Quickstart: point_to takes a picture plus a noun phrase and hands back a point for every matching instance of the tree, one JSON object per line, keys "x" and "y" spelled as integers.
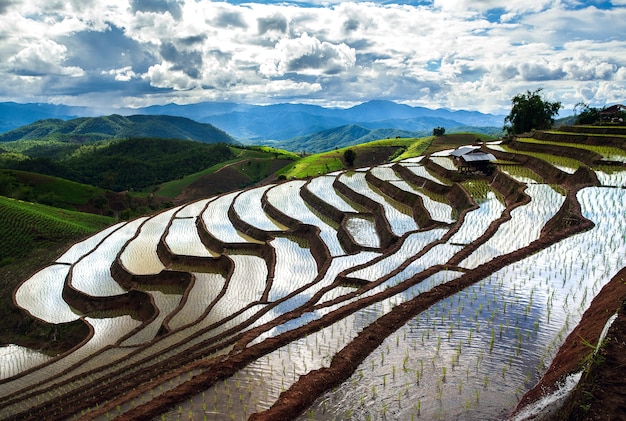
{"x": 349, "y": 156}
{"x": 530, "y": 112}
{"x": 439, "y": 131}
{"x": 588, "y": 115}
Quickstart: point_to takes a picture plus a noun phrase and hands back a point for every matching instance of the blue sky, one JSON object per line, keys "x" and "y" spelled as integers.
{"x": 458, "y": 54}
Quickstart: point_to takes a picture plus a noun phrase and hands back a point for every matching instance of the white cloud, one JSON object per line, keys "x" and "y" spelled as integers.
{"x": 454, "y": 53}
{"x": 122, "y": 75}
{"x": 308, "y": 55}
{"x": 41, "y": 59}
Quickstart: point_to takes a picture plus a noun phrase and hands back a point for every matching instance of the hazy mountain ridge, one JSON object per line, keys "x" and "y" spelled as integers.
{"x": 253, "y": 123}
{"x": 340, "y": 137}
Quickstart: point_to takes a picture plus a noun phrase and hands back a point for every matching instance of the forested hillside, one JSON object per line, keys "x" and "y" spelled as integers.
{"x": 128, "y": 164}
{"x": 90, "y": 129}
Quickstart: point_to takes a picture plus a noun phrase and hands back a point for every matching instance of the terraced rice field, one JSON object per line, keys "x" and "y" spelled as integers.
{"x": 355, "y": 295}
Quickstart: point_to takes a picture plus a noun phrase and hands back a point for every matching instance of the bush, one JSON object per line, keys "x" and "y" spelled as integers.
{"x": 349, "y": 156}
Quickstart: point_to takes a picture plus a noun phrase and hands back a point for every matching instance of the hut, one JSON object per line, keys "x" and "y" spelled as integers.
{"x": 473, "y": 159}
{"x": 613, "y": 113}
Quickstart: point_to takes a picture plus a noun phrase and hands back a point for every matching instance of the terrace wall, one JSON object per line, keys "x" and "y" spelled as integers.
{"x": 545, "y": 170}
{"x": 321, "y": 206}
{"x": 134, "y": 302}
{"x": 420, "y": 213}
{"x": 583, "y": 155}
{"x": 383, "y": 229}
{"x": 319, "y": 250}
{"x": 442, "y": 172}
{"x": 582, "y": 138}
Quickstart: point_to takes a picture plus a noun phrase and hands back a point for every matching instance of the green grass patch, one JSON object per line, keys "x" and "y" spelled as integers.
{"x": 480, "y": 189}
{"x": 587, "y": 134}
{"x": 607, "y": 152}
{"x": 556, "y": 160}
{"x": 175, "y": 187}
{"x": 521, "y": 171}
{"x": 26, "y": 227}
{"x": 454, "y": 140}
{"x": 325, "y": 162}
{"x": 53, "y": 191}
{"x": 254, "y": 162}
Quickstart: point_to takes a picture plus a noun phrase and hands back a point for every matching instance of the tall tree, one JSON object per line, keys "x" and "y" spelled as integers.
{"x": 530, "y": 111}
{"x": 349, "y": 156}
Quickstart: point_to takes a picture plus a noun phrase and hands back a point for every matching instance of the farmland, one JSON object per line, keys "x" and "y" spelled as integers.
{"x": 400, "y": 291}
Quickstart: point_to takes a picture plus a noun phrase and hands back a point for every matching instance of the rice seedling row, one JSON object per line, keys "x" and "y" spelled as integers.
{"x": 467, "y": 356}
{"x": 400, "y": 220}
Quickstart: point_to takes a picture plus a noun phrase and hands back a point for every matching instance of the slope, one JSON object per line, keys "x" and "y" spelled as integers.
{"x": 89, "y": 129}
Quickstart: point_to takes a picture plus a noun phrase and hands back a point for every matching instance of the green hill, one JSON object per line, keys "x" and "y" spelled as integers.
{"x": 367, "y": 154}
{"x": 128, "y": 164}
{"x": 27, "y": 227}
{"x": 48, "y": 190}
{"x": 91, "y": 129}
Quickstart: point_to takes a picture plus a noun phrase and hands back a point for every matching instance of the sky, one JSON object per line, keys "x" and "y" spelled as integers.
{"x": 456, "y": 54}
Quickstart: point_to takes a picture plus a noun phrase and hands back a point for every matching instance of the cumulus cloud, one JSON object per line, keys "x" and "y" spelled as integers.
{"x": 534, "y": 72}
{"x": 308, "y": 55}
{"x": 230, "y": 18}
{"x": 173, "y": 7}
{"x": 42, "y": 58}
{"x": 189, "y": 63}
{"x": 454, "y": 53}
{"x": 4, "y": 6}
{"x": 277, "y": 23}
{"x": 121, "y": 75}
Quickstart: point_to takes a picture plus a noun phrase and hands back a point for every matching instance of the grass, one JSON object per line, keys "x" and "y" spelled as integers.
{"x": 556, "y": 160}
{"x": 521, "y": 171}
{"x": 260, "y": 159}
{"x": 593, "y": 134}
{"x": 26, "y": 227}
{"x": 63, "y": 193}
{"x": 454, "y": 140}
{"x": 326, "y": 162}
{"x": 605, "y": 151}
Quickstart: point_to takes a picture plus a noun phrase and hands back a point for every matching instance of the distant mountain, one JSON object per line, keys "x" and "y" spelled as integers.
{"x": 340, "y": 137}
{"x": 254, "y": 124}
{"x": 87, "y": 129}
{"x": 285, "y": 121}
{"x": 13, "y": 115}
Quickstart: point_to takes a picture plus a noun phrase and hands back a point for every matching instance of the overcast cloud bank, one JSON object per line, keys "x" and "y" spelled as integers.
{"x": 458, "y": 54}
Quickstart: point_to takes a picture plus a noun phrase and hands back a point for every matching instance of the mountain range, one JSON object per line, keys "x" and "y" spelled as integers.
{"x": 254, "y": 124}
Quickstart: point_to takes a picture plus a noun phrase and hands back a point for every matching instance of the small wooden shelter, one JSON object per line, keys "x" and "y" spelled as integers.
{"x": 470, "y": 159}
{"x": 612, "y": 113}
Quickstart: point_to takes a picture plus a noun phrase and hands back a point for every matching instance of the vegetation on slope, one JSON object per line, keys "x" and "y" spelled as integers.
{"x": 247, "y": 166}
{"x": 92, "y": 129}
{"x": 47, "y": 190}
{"x": 371, "y": 153}
{"x": 32, "y": 236}
{"x": 26, "y": 227}
{"x": 129, "y": 164}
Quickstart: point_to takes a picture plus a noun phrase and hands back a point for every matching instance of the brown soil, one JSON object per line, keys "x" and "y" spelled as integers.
{"x": 309, "y": 387}
{"x": 225, "y": 180}
{"x": 575, "y": 350}
{"x": 601, "y": 395}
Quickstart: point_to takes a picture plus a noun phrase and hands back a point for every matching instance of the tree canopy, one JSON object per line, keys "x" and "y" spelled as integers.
{"x": 349, "y": 156}
{"x": 530, "y": 111}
